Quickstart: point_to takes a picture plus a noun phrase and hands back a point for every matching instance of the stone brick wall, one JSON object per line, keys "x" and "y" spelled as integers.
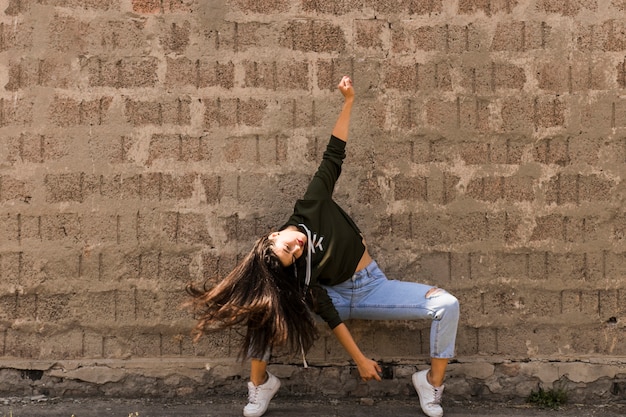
{"x": 147, "y": 143}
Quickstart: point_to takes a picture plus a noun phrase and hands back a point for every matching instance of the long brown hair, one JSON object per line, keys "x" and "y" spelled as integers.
{"x": 265, "y": 297}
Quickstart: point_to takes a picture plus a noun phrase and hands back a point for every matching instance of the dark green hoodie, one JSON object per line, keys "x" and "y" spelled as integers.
{"x": 335, "y": 245}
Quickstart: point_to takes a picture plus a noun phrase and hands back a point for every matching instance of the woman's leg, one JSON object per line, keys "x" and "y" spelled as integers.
{"x": 258, "y": 371}
{"x": 437, "y": 365}
{"x": 261, "y": 389}
{"x": 258, "y": 367}
{"x": 437, "y": 371}
{"x": 371, "y": 296}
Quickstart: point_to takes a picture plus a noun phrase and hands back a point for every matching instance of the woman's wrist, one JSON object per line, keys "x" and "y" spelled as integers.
{"x": 359, "y": 358}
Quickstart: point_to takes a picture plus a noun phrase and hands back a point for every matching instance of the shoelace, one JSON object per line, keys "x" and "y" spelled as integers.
{"x": 253, "y": 393}
{"x": 438, "y": 394}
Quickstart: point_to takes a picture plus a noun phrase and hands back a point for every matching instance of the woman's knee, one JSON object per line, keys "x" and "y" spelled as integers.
{"x": 447, "y": 304}
{"x": 454, "y": 304}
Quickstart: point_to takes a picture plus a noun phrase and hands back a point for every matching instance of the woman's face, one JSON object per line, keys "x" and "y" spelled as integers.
{"x": 288, "y": 245}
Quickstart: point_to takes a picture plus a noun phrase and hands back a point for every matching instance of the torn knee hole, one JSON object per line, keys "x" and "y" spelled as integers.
{"x": 433, "y": 292}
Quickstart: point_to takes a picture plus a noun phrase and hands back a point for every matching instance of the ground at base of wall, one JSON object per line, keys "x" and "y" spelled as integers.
{"x": 550, "y": 383}
{"x": 282, "y": 406}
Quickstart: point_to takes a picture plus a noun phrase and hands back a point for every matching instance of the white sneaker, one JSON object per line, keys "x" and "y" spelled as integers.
{"x": 430, "y": 397}
{"x": 259, "y": 396}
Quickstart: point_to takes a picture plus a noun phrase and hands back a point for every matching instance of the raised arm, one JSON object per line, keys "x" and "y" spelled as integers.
{"x": 323, "y": 182}
{"x": 342, "y": 125}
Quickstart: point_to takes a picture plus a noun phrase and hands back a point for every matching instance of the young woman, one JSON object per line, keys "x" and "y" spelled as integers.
{"x": 319, "y": 258}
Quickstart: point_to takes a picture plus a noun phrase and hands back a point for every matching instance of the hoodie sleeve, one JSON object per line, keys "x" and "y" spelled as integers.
{"x": 323, "y": 306}
{"x": 323, "y": 182}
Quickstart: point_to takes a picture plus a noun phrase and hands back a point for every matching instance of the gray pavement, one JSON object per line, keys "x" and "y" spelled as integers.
{"x": 281, "y": 407}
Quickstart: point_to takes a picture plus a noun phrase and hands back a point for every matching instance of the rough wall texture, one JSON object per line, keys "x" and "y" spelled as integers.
{"x": 147, "y": 143}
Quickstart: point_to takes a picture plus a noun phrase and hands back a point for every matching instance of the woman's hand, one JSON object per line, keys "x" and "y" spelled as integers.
{"x": 345, "y": 86}
{"x": 369, "y": 369}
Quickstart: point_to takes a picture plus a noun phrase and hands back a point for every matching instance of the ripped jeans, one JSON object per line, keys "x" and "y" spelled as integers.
{"x": 369, "y": 295}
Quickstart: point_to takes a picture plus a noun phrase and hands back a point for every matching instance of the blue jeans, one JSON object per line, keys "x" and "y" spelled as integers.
{"x": 369, "y": 295}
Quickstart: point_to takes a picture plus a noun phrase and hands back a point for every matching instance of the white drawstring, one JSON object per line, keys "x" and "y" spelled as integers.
{"x": 307, "y": 280}
{"x": 309, "y": 248}
{"x": 304, "y": 362}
